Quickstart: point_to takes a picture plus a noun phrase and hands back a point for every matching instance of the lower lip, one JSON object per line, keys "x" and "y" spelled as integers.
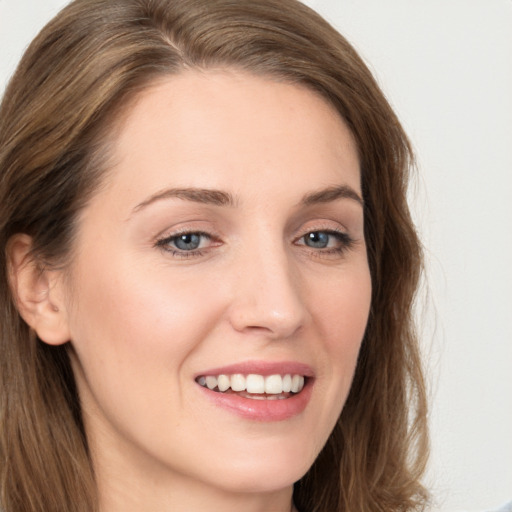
{"x": 262, "y": 410}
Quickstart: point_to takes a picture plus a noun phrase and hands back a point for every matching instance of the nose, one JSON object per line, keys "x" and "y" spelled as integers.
{"x": 267, "y": 294}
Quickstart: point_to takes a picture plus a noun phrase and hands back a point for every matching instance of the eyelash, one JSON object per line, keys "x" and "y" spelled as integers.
{"x": 345, "y": 243}
{"x": 344, "y": 240}
{"x": 164, "y": 244}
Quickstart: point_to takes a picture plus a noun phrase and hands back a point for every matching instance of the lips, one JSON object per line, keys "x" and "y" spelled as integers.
{"x": 259, "y": 391}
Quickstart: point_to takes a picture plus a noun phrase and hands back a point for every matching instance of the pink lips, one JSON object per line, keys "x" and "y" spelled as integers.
{"x": 262, "y": 410}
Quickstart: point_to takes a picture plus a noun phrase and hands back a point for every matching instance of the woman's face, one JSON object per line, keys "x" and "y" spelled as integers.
{"x": 224, "y": 250}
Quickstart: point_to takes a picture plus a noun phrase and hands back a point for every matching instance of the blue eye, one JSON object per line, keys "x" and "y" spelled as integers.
{"x": 317, "y": 239}
{"x": 187, "y": 241}
{"x": 327, "y": 241}
{"x": 185, "y": 244}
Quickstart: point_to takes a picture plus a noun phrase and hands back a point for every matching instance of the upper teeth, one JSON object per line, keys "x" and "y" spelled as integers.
{"x": 253, "y": 383}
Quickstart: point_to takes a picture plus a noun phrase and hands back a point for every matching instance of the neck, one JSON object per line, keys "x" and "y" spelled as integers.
{"x": 122, "y": 495}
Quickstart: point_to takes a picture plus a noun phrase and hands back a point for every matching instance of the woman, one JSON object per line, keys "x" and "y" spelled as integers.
{"x": 209, "y": 267}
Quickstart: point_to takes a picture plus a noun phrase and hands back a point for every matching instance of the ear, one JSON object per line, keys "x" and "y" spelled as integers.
{"x": 38, "y": 292}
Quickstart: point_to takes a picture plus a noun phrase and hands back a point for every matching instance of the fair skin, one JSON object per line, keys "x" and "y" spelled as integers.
{"x": 261, "y": 181}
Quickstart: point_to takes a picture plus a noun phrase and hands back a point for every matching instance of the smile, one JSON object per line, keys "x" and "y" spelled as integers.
{"x": 255, "y": 386}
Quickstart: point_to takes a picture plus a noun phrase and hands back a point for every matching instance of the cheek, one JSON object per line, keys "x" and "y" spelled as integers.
{"x": 340, "y": 311}
{"x": 130, "y": 322}
{"x": 342, "y": 308}
{"x": 139, "y": 307}
{"x": 134, "y": 331}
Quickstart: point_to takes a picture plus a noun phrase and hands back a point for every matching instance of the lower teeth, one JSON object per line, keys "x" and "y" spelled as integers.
{"x": 265, "y": 397}
{"x": 256, "y": 396}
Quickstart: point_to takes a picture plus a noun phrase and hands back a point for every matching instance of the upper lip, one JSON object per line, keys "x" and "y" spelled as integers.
{"x": 261, "y": 368}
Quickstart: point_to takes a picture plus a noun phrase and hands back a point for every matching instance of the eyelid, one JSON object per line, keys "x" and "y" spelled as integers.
{"x": 189, "y": 225}
{"x": 342, "y": 235}
{"x": 325, "y": 224}
{"x": 344, "y": 241}
{"x": 163, "y": 242}
{"x": 331, "y": 227}
{"x": 346, "y": 217}
{"x": 181, "y": 232}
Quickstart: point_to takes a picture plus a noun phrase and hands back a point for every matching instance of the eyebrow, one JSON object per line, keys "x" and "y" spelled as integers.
{"x": 222, "y": 198}
{"x": 329, "y": 194}
{"x": 196, "y": 195}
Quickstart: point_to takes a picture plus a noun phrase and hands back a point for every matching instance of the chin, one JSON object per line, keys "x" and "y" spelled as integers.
{"x": 268, "y": 472}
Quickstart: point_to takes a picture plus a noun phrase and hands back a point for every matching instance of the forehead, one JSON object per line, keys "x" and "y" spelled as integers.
{"x": 210, "y": 128}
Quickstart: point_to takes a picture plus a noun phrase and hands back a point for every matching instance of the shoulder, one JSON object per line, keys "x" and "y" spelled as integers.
{"x": 505, "y": 508}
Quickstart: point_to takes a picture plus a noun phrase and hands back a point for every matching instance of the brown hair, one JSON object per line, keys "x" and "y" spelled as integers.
{"x": 73, "y": 80}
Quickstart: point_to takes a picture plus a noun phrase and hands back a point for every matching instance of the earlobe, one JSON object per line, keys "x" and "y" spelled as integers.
{"x": 38, "y": 292}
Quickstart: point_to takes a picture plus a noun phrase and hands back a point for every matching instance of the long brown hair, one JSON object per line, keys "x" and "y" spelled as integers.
{"x": 55, "y": 120}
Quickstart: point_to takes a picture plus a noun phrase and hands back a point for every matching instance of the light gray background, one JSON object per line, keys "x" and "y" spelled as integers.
{"x": 446, "y": 66}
